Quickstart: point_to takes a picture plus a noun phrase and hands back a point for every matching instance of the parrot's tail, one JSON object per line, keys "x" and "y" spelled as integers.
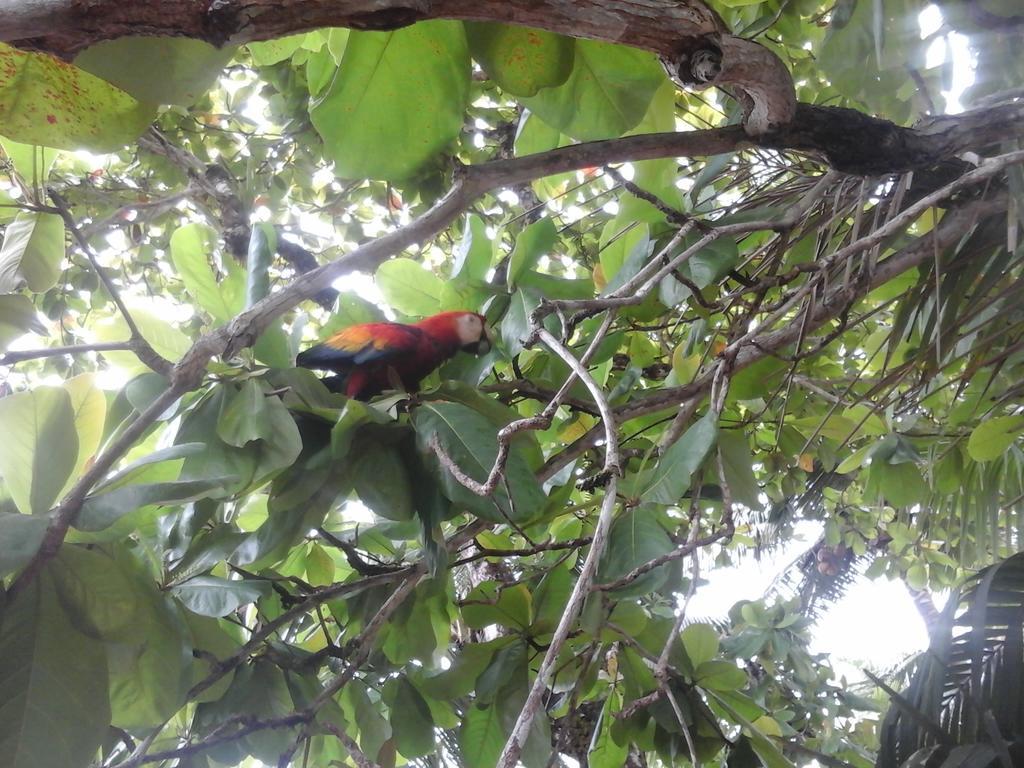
{"x": 321, "y": 357}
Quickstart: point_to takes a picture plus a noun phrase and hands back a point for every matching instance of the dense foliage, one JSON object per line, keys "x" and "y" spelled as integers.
{"x": 219, "y": 562}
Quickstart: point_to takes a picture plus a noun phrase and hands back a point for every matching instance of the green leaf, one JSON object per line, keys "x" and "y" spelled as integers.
{"x": 711, "y": 263}
{"x": 20, "y": 537}
{"x": 262, "y": 246}
{"x": 351, "y": 309}
{"x": 277, "y": 447}
{"x": 167, "y": 340}
{"x": 671, "y": 478}
{"x": 633, "y": 541}
{"x": 319, "y": 566}
{"x": 771, "y": 756}
{"x": 900, "y": 485}
{"x": 411, "y": 723}
{"x": 398, "y": 100}
{"x": 720, "y": 676}
{"x": 738, "y": 465}
{"x": 473, "y": 256}
{"x": 246, "y": 417}
{"x": 39, "y": 448}
{"x": 534, "y": 241}
{"x": 138, "y": 468}
{"x": 605, "y": 751}
{"x": 519, "y": 59}
{"x": 151, "y": 661}
{"x": 32, "y": 252}
{"x": 267, "y": 52}
{"x": 18, "y": 316}
{"x": 515, "y": 326}
{"x": 46, "y": 101}
{"x": 606, "y": 94}
{"x": 158, "y": 70}
{"x": 550, "y": 599}
{"x": 470, "y": 440}
{"x": 102, "y": 510}
{"x": 211, "y": 643}
{"x": 381, "y": 479}
{"x": 491, "y": 603}
{"x": 700, "y": 641}
{"x": 216, "y": 597}
{"x": 409, "y": 287}
{"x": 33, "y": 163}
{"x": 481, "y": 737}
{"x": 102, "y": 598}
{"x": 192, "y": 249}
{"x": 54, "y": 711}
{"x": 992, "y": 437}
{"x": 89, "y": 406}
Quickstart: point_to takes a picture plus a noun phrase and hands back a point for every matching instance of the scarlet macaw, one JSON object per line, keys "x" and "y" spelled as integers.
{"x": 370, "y": 357}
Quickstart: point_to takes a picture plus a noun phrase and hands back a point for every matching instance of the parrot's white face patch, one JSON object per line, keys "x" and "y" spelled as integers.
{"x": 473, "y": 335}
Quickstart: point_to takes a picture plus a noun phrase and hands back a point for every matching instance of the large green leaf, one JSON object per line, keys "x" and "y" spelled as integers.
{"x": 103, "y": 597}
{"x": 267, "y": 52}
{"x": 46, "y": 101}
{"x": 54, "y": 711}
{"x": 157, "y": 70}
{"x": 473, "y": 256}
{"x": 534, "y": 241}
{"x": 470, "y": 440}
{"x": 519, "y": 59}
{"x": 700, "y": 641}
{"x": 89, "y": 406}
{"x": 381, "y": 478}
{"x": 32, "y": 252}
{"x": 167, "y": 340}
{"x": 992, "y": 437}
{"x": 606, "y": 94}
{"x": 605, "y": 751}
{"x": 102, "y": 510}
{"x": 149, "y": 654}
{"x": 737, "y": 464}
{"x": 398, "y": 100}
{"x": 409, "y": 287}
{"x": 40, "y": 446}
{"x": 192, "y": 250}
{"x": 490, "y": 603}
{"x": 213, "y": 596}
{"x": 211, "y": 643}
{"x": 20, "y": 537}
{"x": 17, "y": 317}
{"x": 481, "y": 736}
{"x": 232, "y": 450}
{"x": 411, "y": 722}
{"x": 633, "y": 541}
{"x": 671, "y": 477}
{"x": 33, "y": 163}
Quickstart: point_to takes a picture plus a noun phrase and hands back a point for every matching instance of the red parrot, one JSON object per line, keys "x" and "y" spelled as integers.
{"x": 372, "y": 357}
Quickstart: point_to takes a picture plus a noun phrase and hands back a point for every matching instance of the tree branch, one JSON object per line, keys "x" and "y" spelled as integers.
{"x": 11, "y": 358}
{"x": 142, "y": 348}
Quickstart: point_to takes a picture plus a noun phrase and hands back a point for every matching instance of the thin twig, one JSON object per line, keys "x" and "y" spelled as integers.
{"x": 10, "y": 358}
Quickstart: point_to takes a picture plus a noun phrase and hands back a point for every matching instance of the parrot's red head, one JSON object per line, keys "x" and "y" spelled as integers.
{"x": 467, "y": 331}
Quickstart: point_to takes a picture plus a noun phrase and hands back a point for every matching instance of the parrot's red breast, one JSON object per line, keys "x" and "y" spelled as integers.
{"x": 372, "y": 357}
